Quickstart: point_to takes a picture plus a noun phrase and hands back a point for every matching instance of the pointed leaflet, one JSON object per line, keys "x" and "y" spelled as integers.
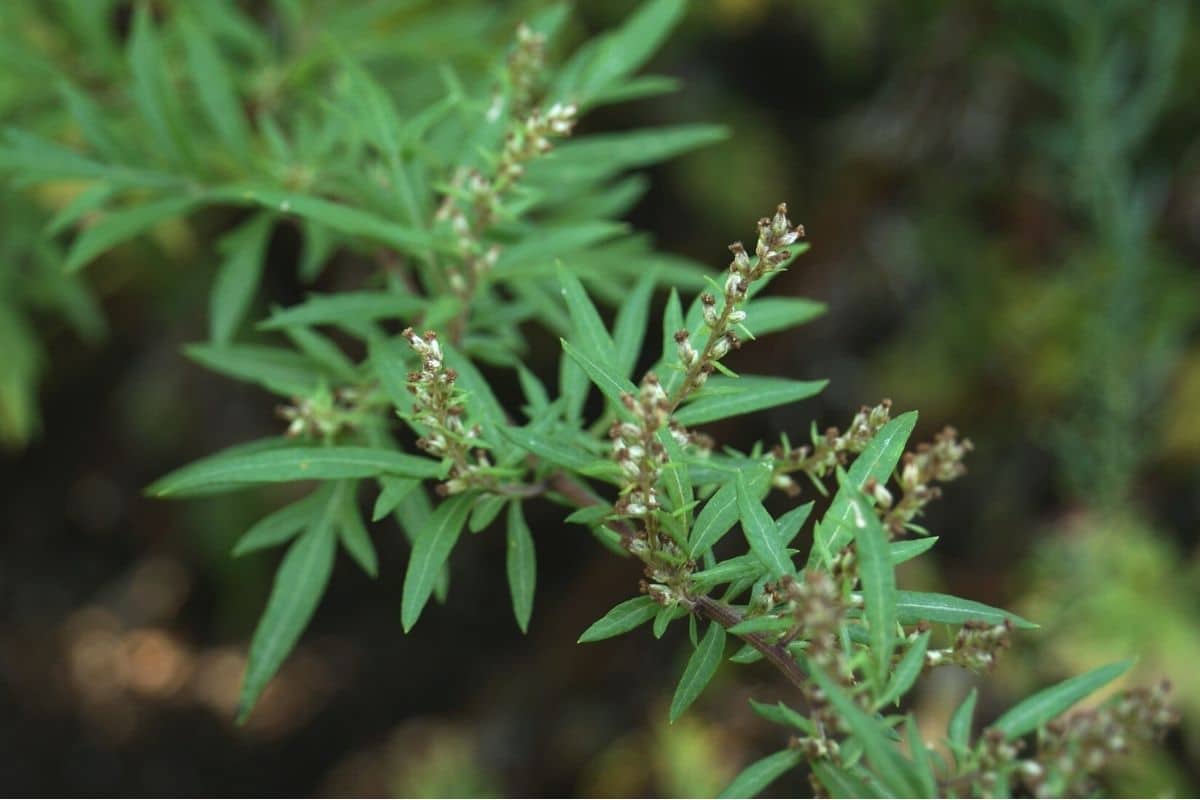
{"x": 959, "y": 729}
{"x": 298, "y": 587}
{"x": 610, "y": 384}
{"x": 629, "y": 330}
{"x": 906, "y": 672}
{"x": 914, "y": 607}
{"x": 724, "y": 397}
{"x": 430, "y": 553}
{"x": 226, "y": 470}
{"x": 908, "y": 549}
{"x": 789, "y": 524}
{"x": 238, "y": 277}
{"x": 391, "y": 492}
{"x": 893, "y": 770}
{"x": 331, "y": 309}
{"x": 551, "y": 448}
{"x": 115, "y": 227}
{"x": 280, "y": 526}
{"x": 340, "y": 217}
{"x": 761, "y": 774}
{"x": 353, "y": 532}
{"x": 278, "y": 370}
{"x": 1034, "y": 712}
{"x": 699, "y": 670}
{"x": 155, "y": 100}
{"x": 616, "y": 55}
{"x": 876, "y": 461}
{"x": 521, "y": 565}
{"x": 214, "y": 85}
{"x": 621, "y": 618}
{"x": 878, "y": 579}
{"x": 721, "y": 511}
{"x": 780, "y": 313}
{"x": 841, "y": 782}
{"x": 760, "y": 530}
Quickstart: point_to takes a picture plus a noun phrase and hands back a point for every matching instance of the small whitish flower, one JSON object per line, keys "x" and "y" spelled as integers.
{"x": 687, "y": 353}
{"x": 736, "y": 317}
{"x": 708, "y": 305}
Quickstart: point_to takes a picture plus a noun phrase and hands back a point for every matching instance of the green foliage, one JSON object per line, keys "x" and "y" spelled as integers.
{"x": 453, "y": 180}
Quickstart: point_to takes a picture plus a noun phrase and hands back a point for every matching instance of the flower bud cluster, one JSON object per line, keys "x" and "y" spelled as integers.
{"x": 438, "y": 408}
{"x": 325, "y": 414}
{"x": 775, "y": 234}
{"x": 829, "y": 450}
{"x": 637, "y": 449}
{"x": 525, "y": 64}
{"x": 938, "y": 462}
{"x": 976, "y": 647}
{"x": 474, "y": 201}
{"x": 1076, "y": 746}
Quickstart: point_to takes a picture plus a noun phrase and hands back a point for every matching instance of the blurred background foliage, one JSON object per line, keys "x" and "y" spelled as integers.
{"x": 1003, "y": 199}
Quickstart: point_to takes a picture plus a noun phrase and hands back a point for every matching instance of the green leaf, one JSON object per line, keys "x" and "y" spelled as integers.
{"x": 521, "y": 565}
{"x": 908, "y": 549}
{"x": 280, "y": 526}
{"x": 154, "y": 97}
{"x": 675, "y": 477}
{"x": 297, "y": 590}
{"x": 485, "y": 511}
{"x": 789, "y": 524}
{"x": 354, "y": 535}
{"x": 283, "y": 372}
{"x": 761, "y": 774}
{"x": 893, "y": 770}
{"x": 781, "y": 714}
{"x": 116, "y": 227}
{"x": 595, "y": 158}
{"x": 700, "y": 669}
{"x": 590, "y": 335}
{"x": 338, "y": 216}
{"x": 764, "y": 624}
{"x": 323, "y": 352}
{"x": 724, "y": 397}
{"x": 760, "y": 530}
{"x": 774, "y": 314}
{"x": 238, "y": 277}
{"x": 906, "y": 672}
{"x": 333, "y": 309}
{"x": 878, "y": 578}
{"x": 737, "y": 568}
{"x": 291, "y": 464}
{"x": 214, "y": 86}
{"x": 621, "y": 618}
{"x": 920, "y": 758}
{"x": 549, "y": 448}
{"x": 841, "y": 782}
{"x": 430, "y": 553}
{"x": 876, "y": 461}
{"x": 914, "y": 607}
{"x": 1035, "y": 711}
{"x": 610, "y": 384}
{"x": 720, "y": 513}
{"x": 618, "y": 54}
{"x": 959, "y": 730}
{"x": 629, "y": 330}
{"x": 672, "y": 324}
{"x": 392, "y": 491}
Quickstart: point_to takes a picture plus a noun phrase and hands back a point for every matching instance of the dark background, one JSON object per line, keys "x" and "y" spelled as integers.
{"x": 944, "y": 160}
